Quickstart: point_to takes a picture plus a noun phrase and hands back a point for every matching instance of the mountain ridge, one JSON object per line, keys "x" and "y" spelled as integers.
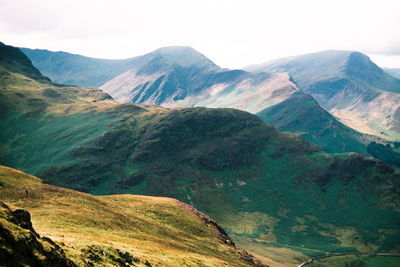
{"x": 349, "y": 85}
{"x": 154, "y": 80}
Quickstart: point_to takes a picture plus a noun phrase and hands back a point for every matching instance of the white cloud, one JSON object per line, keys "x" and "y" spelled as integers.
{"x": 233, "y": 33}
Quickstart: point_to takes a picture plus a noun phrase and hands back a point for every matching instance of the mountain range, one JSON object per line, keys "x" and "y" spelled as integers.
{"x": 183, "y": 77}
{"x": 350, "y": 86}
{"x": 265, "y": 187}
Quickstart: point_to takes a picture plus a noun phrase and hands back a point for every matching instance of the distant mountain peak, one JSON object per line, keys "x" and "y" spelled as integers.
{"x": 349, "y": 84}
{"x": 176, "y": 49}
{"x": 184, "y": 56}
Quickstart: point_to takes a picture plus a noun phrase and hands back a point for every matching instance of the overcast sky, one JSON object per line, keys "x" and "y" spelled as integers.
{"x": 231, "y": 33}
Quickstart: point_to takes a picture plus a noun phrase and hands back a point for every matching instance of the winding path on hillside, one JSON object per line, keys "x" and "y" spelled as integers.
{"x": 345, "y": 254}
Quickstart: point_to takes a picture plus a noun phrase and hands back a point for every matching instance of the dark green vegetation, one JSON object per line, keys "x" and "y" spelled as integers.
{"x": 117, "y": 230}
{"x": 389, "y": 153}
{"x": 12, "y": 61}
{"x": 20, "y": 245}
{"x": 356, "y": 260}
{"x": 259, "y": 183}
{"x": 349, "y": 85}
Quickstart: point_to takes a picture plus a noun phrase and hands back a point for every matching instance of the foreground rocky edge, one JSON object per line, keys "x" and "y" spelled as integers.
{"x": 20, "y": 245}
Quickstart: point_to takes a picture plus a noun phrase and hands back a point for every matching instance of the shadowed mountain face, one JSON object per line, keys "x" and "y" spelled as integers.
{"x": 302, "y": 115}
{"x": 12, "y": 60}
{"x": 349, "y": 85}
{"x": 259, "y": 183}
{"x": 182, "y": 77}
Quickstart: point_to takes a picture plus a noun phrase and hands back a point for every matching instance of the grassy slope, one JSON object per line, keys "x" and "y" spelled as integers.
{"x": 259, "y": 183}
{"x": 161, "y": 231}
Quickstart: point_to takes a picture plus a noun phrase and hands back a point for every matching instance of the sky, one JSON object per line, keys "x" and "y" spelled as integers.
{"x": 232, "y": 33}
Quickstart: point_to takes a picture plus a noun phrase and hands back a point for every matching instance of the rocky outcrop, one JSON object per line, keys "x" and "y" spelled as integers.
{"x": 223, "y": 235}
{"x": 20, "y": 245}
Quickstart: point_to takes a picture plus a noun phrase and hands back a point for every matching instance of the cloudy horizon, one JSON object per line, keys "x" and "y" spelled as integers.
{"x": 231, "y": 33}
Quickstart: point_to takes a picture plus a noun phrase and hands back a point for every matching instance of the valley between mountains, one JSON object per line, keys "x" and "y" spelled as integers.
{"x": 117, "y": 179}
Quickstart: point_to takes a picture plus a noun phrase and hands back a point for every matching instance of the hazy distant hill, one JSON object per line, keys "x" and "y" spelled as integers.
{"x": 73, "y": 69}
{"x": 349, "y": 85}
{"x": 262, "y": 185}
{"x": 393, "y": 72}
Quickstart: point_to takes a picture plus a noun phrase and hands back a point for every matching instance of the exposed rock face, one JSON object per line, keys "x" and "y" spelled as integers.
{"x": 23, "y": 219}
{"x": 20, "y": 245}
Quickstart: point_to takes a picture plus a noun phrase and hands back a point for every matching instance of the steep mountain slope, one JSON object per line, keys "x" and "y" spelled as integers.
{"x": 301, "y": 114}
{"x": 263, "y": 186}
{"x": 350, "y": 86}
{"x": 117, "y": 230}
{"x": 167, "y": 74}
{"x": 12, "y": 61}
{"x": 393, "y": 72}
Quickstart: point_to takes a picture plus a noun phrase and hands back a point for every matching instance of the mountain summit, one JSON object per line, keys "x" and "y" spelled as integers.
{"x": 183, "y": 56}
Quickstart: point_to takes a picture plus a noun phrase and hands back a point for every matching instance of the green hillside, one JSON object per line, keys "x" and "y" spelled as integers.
{"x": 117, "y": 230}
{"x": 265, "y": 187}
